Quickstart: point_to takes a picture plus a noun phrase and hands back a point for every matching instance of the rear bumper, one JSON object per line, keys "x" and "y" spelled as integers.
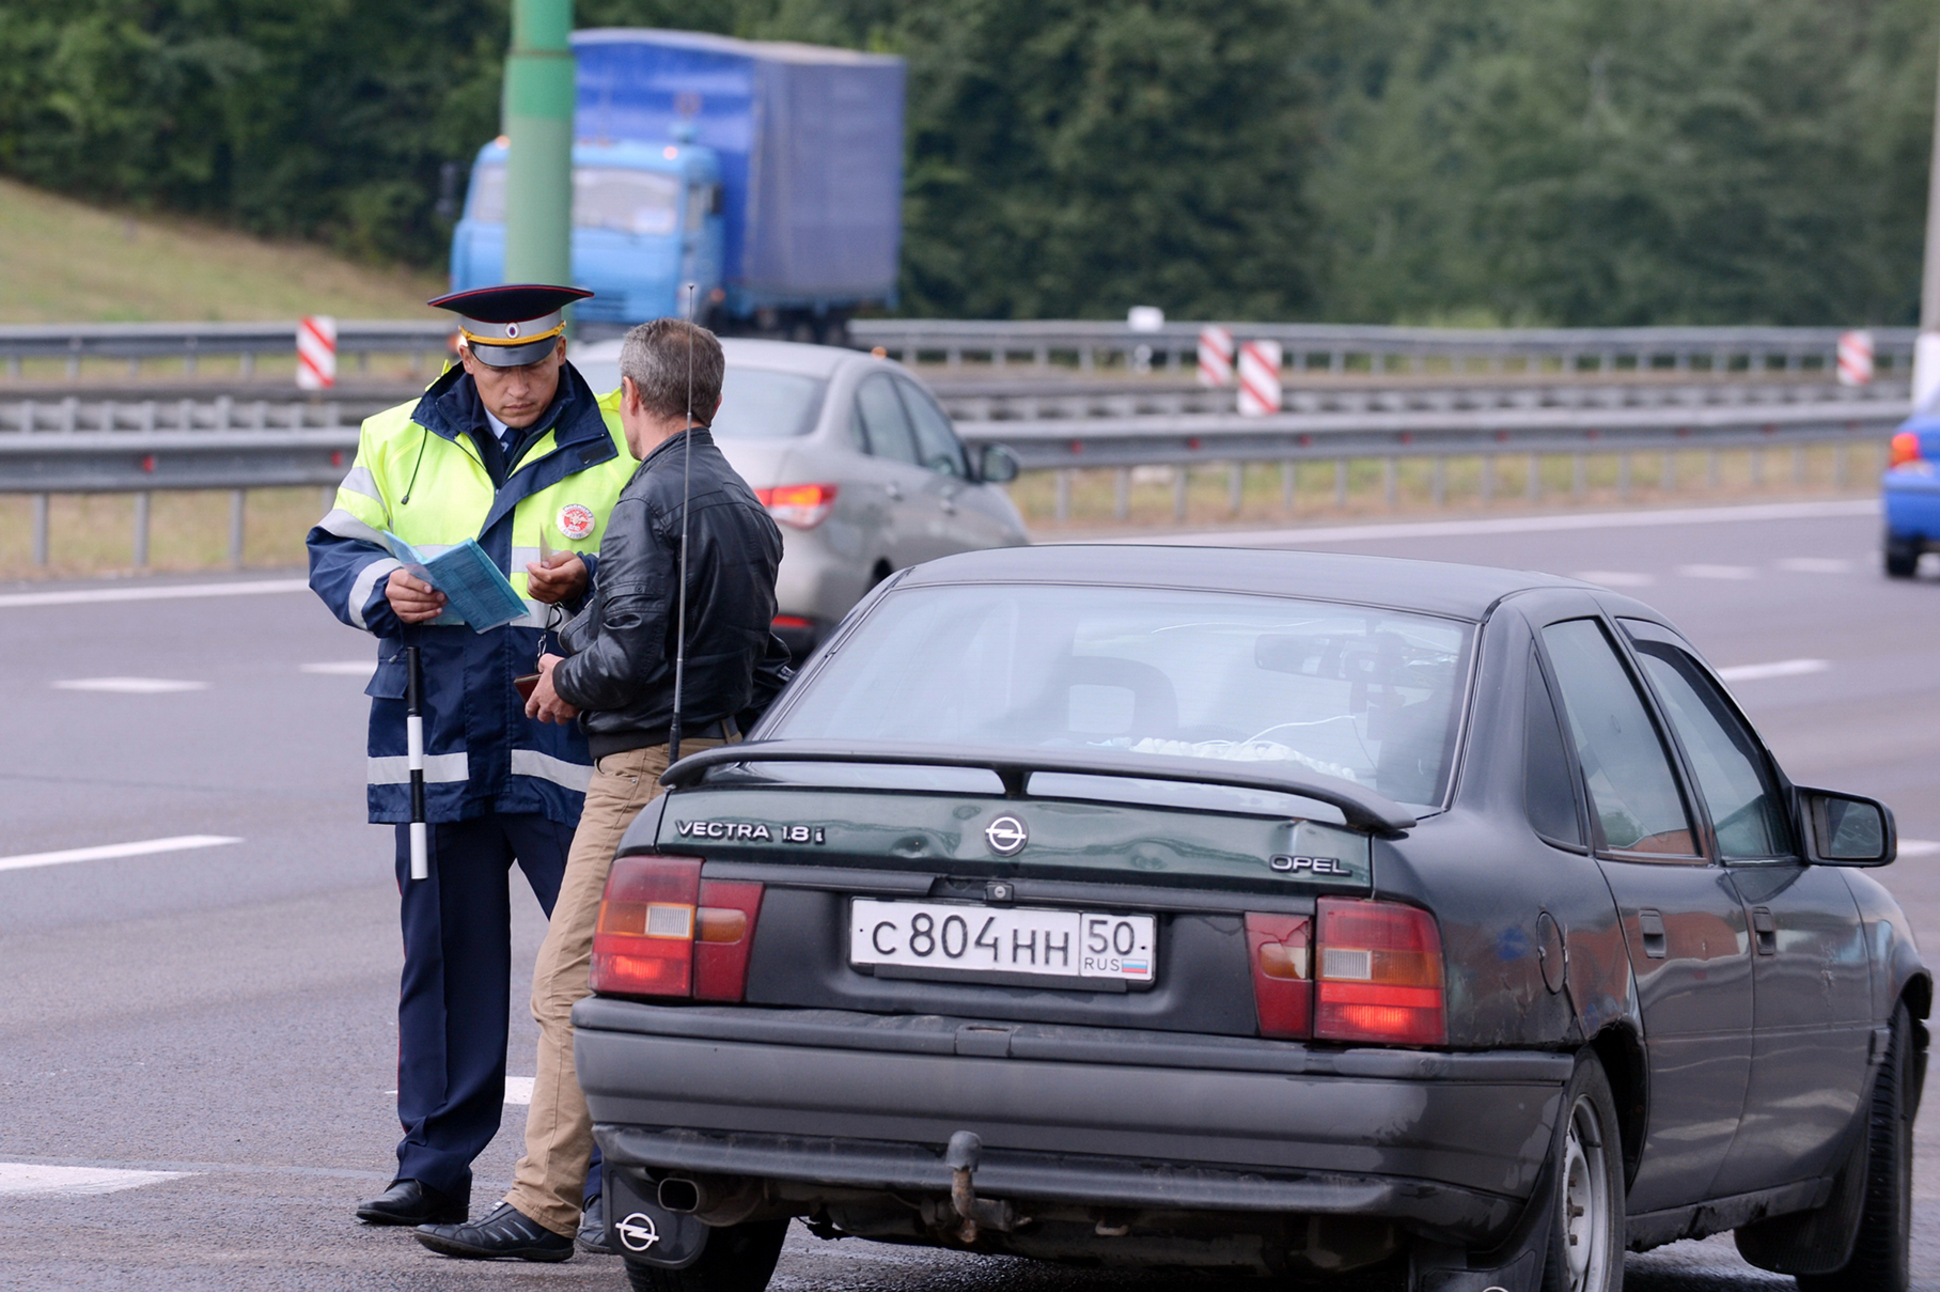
{"x": 1911, "y": 500}
{"x": 1448, "y": 1144}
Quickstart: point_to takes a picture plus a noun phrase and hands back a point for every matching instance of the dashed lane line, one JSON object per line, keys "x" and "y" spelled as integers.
{"x": 342, "y": 667}
{"x": 1918, "y": 847}
{"x": 1717, "y": 571}
{"x": 518, "y": 1090}
{"x": 108, "y": 851}
{"x": 130, "y": 685}
{"x": 1777, "y": 668}
{"x": 164, "y": 592}
{"x": 31, "y": 1179}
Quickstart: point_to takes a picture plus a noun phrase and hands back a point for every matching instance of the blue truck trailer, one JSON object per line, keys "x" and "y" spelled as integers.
{"x": 768, "y": 173}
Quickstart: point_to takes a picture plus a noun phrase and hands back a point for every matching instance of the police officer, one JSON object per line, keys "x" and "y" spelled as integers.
{"x": 513, "y": 449}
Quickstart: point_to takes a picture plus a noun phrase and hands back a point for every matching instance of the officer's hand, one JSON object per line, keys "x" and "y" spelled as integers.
{"x": 545, "y": 704}
{"x": 560, "y": 577}
{"x": 413, "y": 600}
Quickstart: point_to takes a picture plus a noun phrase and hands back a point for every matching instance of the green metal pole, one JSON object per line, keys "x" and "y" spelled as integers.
{"x": 539, "y": 125}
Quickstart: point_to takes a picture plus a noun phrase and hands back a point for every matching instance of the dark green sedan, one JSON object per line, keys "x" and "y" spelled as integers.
{"x": 1282, "y": 913}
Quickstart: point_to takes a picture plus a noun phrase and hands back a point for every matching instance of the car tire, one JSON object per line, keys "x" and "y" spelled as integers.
{"x": 737, "y": 1258}
{"x": 1901, "y": 557}
{"x": 1879, "y": 1260}
{"x": 1586, "y": 1241}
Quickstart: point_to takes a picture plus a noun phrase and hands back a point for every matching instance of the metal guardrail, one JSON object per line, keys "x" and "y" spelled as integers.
{"x": 189, "y": 342}
{"x": 1335, "y": 347}
{"x": 1339, "y": 348}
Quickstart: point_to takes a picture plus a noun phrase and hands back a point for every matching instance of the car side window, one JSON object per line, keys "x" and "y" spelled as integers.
{"x": 936, "y": 440}
{"x": 1724, "y": 756}
{"x": 885, "y": 425}
{"x": 1549, "y": 782}
{"x": 1627, "y": 768}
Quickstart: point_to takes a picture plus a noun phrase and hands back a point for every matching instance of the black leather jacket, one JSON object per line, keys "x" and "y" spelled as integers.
{"x": 619, "y": 668}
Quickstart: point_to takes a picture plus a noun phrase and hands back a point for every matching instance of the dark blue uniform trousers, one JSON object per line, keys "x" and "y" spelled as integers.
{"x": 453, "y": 1004}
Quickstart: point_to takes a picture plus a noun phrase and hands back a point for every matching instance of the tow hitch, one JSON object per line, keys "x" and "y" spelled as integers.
{"x": 965, "y": 1151}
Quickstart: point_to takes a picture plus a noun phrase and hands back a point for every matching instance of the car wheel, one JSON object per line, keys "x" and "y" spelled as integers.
{"x": 1901, "y": 557}
{"x": 1586, "y": 1242}
{"x": 1879, "y": 1261}
{"x": 737, "y": 1258}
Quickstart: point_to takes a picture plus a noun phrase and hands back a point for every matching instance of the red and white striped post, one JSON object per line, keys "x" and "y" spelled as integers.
{"x": 1215, "y": 357}
{"x": 316, "y": 352}
{"x": 1855, "y": 358}
{"x": 1259, "y": 378}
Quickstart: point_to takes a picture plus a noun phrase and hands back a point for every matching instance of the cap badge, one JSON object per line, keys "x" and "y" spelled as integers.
{"x": 575, "y": 520}
{"x": 512, "y": 329}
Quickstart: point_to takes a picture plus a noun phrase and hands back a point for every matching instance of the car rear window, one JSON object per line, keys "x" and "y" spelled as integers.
{"x": 1367, "y": 695}
{"x": 762, "y": 404}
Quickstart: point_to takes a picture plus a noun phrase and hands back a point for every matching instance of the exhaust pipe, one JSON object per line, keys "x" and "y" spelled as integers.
{"x": 681, "y": 1196}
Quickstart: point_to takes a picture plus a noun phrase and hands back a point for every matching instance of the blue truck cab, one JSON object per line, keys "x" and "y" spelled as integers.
{"x": 646, "y": 219}
{"x": 769, "y": 173}
{"x": 1910, "y": 491}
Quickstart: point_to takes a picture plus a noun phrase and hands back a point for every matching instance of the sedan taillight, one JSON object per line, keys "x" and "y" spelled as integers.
{"x": 1283, "y": 989}
{"x": 1358, "y": 971}
{"x": 801, "y": 506}
{"x": 1379, "y": 974}
{"x": 664, "y": 931}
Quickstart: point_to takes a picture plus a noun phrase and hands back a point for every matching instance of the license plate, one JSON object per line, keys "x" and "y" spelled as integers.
{"x": 1002, "y": 944}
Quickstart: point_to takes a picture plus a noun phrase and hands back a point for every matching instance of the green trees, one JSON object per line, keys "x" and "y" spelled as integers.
{"x": 1565, "y": 161}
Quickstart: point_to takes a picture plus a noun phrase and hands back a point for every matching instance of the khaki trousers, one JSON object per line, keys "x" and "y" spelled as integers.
{"x": 558, "y": 1130}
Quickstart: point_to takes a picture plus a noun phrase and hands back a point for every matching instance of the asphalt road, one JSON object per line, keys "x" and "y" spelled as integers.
{"x": 204, "y": 1038}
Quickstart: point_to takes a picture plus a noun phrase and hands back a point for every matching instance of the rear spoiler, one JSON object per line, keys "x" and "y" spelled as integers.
{"x": 1361, "y": 807}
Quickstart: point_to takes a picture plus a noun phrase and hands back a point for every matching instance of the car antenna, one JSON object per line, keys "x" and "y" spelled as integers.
{"x": 680, "y": 613}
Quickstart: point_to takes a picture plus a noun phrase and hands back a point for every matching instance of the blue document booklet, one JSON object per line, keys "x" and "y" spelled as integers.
{"x": 477, "y": 593}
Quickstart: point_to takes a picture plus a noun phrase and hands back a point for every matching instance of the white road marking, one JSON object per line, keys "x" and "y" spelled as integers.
{"x": 107, "y": 851}
{"x": 344, "y": 667}
{"x": 1918, "y": 847}
{"x": 166, "y": 592}
{"x": 1816, "y": 565}
{"x": 1717, "y": 571}
{"x": 518, "y": 1090}
{"x": 130, "y": 685}
{"x": 30, "y": 1179}
{"x": 1777, "y": 668}
{"x": 1616, "y": 578}
{"x": 1641, "y": 519}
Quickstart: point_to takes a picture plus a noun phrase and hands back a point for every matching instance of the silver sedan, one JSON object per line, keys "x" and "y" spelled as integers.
{"x": 856, "y": 460}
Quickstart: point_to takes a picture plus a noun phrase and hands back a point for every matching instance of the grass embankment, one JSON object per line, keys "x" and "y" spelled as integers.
{"x": 63, "y": 261}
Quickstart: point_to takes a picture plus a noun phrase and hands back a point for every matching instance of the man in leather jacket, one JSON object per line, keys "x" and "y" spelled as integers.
{"x": 617, "y": 680}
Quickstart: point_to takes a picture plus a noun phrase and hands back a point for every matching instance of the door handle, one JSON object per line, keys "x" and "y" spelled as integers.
{"x": 1765, "y": 930}
{"x": 1651, "y": 925}
{"x": 948, "y": 505}
{"x": 895, "y": 493}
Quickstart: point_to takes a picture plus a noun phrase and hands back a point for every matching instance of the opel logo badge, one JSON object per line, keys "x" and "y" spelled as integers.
{"x": 637, "y": 1232}
{"x": 1006, "y": 836}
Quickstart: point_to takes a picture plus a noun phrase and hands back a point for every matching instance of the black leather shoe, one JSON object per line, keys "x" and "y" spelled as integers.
{"x": 413, "y": 1202}
{"x": 592, "y": 1230}
{"x": 506, "y": 1232}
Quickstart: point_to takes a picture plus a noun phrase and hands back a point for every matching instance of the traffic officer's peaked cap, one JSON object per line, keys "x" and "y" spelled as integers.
{"x": 513, "y": 324}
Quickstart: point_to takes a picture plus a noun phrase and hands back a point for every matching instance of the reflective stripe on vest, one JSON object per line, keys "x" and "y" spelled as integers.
{"x": 530, "y": 762}
{"x": 395, "y": 769}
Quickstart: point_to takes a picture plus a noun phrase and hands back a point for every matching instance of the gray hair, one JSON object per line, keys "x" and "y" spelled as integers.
{"x": 667, "y": 357}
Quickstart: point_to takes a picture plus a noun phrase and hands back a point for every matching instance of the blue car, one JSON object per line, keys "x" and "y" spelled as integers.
{"x": 1911, "y": 489}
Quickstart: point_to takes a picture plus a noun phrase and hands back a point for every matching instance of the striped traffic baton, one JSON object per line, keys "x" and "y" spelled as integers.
{"x": 414, "y": 744}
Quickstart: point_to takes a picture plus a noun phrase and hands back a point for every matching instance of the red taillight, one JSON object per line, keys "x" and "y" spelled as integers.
{"x": 726, "y": 926}
{"x": 1905, "y": 449}
{"x": 802, "y": 506}
{"x": 663, "y": 931}
{"x": 644, "y": 942}
{"x": 1283, "y": 989}
{"x": 1378, "y": 976}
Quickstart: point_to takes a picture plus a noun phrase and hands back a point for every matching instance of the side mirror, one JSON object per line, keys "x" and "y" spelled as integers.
{"x": 1846, "y": 830}
{"x": 996, "y": 464}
